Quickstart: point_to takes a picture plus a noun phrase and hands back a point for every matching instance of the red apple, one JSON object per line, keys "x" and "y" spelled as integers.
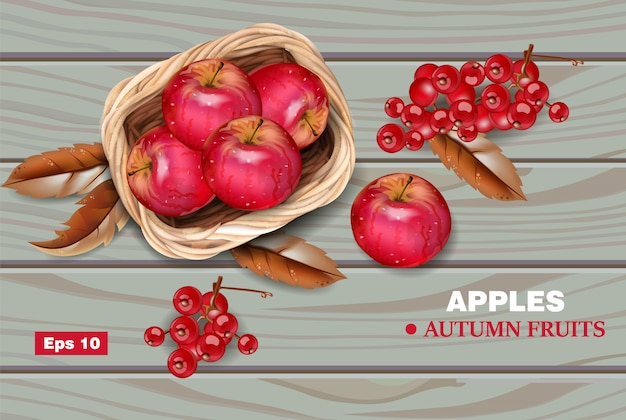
{"x": 204, "y": 95}
{"x": 165, "y": 175}
{"x": 251, "y": 163}
{"x": 294, "y": 97}
{"x": 400, "y": 220}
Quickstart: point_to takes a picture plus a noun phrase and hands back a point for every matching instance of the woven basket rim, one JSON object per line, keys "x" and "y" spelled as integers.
{"x": 325, "y": 185}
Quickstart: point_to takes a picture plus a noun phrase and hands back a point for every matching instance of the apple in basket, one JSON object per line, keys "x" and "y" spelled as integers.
{"x": 204, "y": 95}
{"x": 294, "y": 97}
{"x": 400, "y": 220}
{"x": 165, "y": 175}
{"x": 251, "y": 163}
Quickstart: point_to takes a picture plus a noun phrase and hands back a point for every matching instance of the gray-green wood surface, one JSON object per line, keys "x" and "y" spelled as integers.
{"x": 338, "y": 352}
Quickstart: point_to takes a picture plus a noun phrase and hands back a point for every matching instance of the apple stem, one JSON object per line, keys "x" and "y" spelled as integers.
{"x": 408, "y": 181}
{"x": 220, "y": 66}
{"x": 258, "y": 125}
{"x": 310, "y": 126}
{"x": 133, "y": 172}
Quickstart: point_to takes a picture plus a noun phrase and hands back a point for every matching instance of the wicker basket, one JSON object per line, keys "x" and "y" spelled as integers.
{"x": 134, "y": 106}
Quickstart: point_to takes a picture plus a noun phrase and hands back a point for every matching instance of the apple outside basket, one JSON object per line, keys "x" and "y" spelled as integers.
{"x": 134, "y": 106}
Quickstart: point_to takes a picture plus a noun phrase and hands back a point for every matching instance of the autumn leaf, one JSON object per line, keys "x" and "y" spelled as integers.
{"x": 481, "y": 164}
{"x": 61, "y": 172}
{"x": 288, "y": 259}
{"x": 91, "y": 225}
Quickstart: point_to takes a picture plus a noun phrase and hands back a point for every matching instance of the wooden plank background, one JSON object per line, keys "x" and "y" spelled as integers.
{"x": 338, "y": 352}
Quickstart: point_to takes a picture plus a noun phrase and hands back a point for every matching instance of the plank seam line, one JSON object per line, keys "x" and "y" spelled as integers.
{"x": 328, "y": 56}
{"x": 605, "y": 161}
{"x": 207, "y": 264}
{"x": 583, "y": 370}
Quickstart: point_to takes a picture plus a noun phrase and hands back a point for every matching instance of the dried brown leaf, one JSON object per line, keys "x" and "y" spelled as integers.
{"x": 288, "y": 259}
{"x": 481, "y": 164}
{"x": 61, "y": 172}
{"x": 91, "y": 225}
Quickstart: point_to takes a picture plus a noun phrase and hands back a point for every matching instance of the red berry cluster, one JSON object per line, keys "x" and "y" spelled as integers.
{"x": 511, "y": 97}
{"x": 206, "y": 337}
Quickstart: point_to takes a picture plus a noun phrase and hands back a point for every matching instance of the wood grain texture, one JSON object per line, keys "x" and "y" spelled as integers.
{"x": 574, "y": 215}
{"x": 342, "y": 26}
{"x": 339, "y": 352}
{"x": 357, "y": 323}
{"x": 49, "y": 105}
{"x": 305, "y": 399}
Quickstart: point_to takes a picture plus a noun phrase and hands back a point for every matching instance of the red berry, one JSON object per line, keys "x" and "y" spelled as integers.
{"x": 446, "y": 79}
{"x": 495, "y": 97}
{"x": 394, "y": 107}
{"x": 472, "y": 73}
{"x": 467, "y": 133}
{"x": 413, "y": 115}
{"x": 498, "y": 68}
{"x": 425, "y": 70}
{"x": 208, "y": 327}
{"x": 184, "y": 330}
{"x": 422, "y": 92}
{"x": 425, "y": 129}
{"x": 499, "y": 120}
{"x": 390, "y": 138}
{"x": 532, "y": 71}
{"x": 210, "y": 347}
{"x": 558, "y": 112}
{"x": 440, "y": 121}
{"x": 154, "y": 336}
{"x": 221, "y": 305}
{"x": 248, "y": 344}
{"x": 191, "y": 347}
{"x": 414, "y": 140}
{"x": 187, "y": 300}
{"x": 463, "y": 113}
{"x": 522, "y": 115}
{"x": 182, "y": 363}
{"x": 464, "y": 91}
{"x": 483, "y": 123}
{"x": 225, "y": 325}
{"x": 536, "y": 93}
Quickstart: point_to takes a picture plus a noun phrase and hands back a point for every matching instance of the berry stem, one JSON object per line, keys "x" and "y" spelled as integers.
{"x": 216, "y": 288}
{"x": 263, "y": 293}
{"x": 527, "y": 55}
{"x": 574, "y": 61}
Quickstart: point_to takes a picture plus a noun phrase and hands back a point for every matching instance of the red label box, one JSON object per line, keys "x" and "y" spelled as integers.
{"x": 71, "y": 343}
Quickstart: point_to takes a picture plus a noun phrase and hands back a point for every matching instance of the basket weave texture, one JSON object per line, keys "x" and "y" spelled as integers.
{"x": 133, "y": 107}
